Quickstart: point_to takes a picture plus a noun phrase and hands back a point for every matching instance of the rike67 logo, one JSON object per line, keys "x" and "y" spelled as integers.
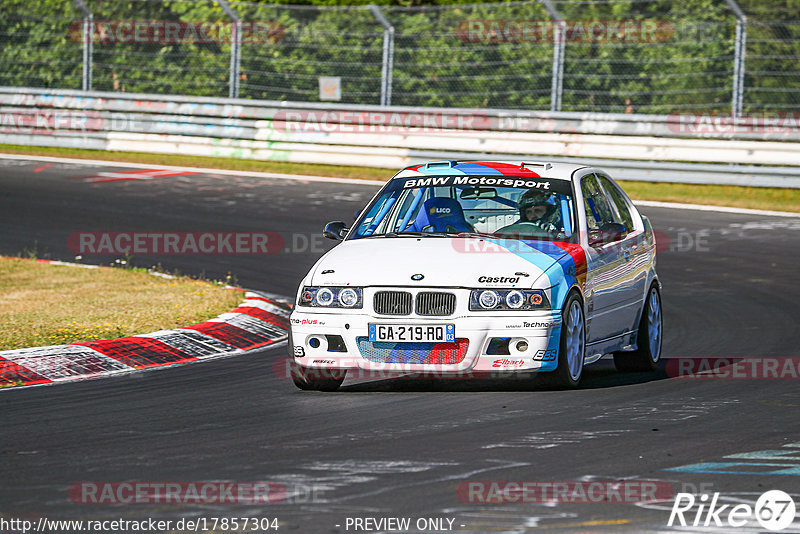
{"x": 774, "y": 511}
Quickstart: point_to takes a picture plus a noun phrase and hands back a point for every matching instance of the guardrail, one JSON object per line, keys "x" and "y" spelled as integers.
{"x": 633, "y": 147}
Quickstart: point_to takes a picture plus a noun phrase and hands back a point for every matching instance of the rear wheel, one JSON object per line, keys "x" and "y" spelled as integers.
{"x": 647, "y": 355}
{"x": 572, "y": 348}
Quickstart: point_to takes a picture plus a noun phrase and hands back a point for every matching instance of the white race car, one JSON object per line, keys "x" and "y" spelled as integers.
{"x": 460, "y": 268}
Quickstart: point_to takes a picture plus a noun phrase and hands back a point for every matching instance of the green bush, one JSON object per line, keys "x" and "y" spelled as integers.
{"x": 688, "y": 68}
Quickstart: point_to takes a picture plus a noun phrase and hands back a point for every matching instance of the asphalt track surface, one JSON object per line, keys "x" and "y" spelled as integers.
{"x": 399, "y": 448}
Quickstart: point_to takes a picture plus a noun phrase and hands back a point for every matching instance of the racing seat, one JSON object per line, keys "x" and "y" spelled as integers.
{"x": 440, "y": 214}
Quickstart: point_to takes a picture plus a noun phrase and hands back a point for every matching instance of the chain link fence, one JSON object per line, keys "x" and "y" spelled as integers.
{"x": 622, "y": 56}
{"x": 150, "y": 47}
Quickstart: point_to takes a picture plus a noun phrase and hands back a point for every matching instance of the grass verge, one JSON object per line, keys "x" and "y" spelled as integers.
{"x": 760, "y": 198}
{"x": 44, "y": 304}
{"x": 767, "y": 198}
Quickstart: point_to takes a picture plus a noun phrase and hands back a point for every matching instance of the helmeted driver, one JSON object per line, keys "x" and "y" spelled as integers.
{"x": 536, "y": 207}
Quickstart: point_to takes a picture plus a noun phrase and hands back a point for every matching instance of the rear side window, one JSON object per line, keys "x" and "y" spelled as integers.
{"x": 598, "y": 210}
{"x": 618, "y": 199}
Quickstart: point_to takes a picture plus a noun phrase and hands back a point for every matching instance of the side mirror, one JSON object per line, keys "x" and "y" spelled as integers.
{"x": 608, "y": 233}
{"x": 335, "y": 230}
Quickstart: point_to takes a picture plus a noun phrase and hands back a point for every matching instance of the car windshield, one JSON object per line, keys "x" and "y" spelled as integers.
{"x": 467, "y": 206}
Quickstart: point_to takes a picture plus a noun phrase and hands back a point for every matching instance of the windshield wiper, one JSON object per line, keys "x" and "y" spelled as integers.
{"x": 423, "y": 234}
{"x": 474, "y": 234}
{"x": 415, "y": 234}
{"x": 405, "y": 234}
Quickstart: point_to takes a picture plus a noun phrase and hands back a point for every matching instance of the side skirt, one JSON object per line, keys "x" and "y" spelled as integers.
{"x": 625, "y": 341}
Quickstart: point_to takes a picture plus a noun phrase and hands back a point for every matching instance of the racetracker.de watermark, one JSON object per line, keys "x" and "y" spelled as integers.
{"x": 767, "y": 122}
{"x": 287, "y": 368}
{"x": 47, "y": 121}
{"x": 199, "y": 492}
{"x": 733, "y": 368}
{"x": 564, "y": 491}
{"x": 359, "y": 121}
{"x": 175, "y": 243}
{"x": 178, "y": 31}
{"x": 154, "y": 243}
{"x": 581, "y": 31}
{"x": 28, "y": 120}
{"x": 672, "y": 241}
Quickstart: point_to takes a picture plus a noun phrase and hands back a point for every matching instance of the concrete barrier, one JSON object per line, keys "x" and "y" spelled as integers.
{"x": 634, "y": 147}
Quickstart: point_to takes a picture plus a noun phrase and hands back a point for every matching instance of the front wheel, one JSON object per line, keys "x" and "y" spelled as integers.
{"x": 572, "y": 348}
{"x": 645, "y": 358}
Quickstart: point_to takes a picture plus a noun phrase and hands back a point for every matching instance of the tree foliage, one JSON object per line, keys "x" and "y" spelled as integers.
{"x": 686, "y": 65}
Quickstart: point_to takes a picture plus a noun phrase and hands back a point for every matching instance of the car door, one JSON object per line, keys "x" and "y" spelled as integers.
{"x": 606, "y": 265}
{"x": 637, "y": 259}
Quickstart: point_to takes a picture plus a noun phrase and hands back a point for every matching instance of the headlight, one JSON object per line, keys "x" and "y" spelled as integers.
{"x": 331, "y": 297}
{"x": 348, "y": 297}
{"x": 324, "y": 297}
{"x": 488, "y": 299}
{"x": 508, "y": 299}
{"x": 515, "y": 299}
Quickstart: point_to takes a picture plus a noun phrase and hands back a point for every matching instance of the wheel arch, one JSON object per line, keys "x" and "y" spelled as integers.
{"x": 654, "y": 281}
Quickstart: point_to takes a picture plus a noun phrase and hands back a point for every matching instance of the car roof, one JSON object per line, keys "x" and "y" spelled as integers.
{"x": 562, "y": 171}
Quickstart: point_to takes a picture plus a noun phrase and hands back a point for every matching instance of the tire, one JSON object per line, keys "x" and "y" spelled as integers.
{"x": 317, "y": 379}
{"x": 646, "y": 357}
{"x": 572, "y": 349}
{"x": 299, "y": 378}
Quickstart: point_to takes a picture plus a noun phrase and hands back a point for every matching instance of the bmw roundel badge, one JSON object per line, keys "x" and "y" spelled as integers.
{"x": 417, "y": 277}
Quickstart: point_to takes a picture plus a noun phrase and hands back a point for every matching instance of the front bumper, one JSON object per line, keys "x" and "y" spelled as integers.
{"x": 315, "y": 345}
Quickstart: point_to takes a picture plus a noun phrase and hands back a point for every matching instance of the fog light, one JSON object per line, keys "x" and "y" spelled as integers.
{"x": 314, "y": 343}
{"x": 522, "y": 346}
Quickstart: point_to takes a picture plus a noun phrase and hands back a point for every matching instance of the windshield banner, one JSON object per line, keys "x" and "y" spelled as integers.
{"x": 544, "y": 184}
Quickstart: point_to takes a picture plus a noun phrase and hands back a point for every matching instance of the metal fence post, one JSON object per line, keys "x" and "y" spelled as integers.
{"x": 559, "y": 49}
{"x": 87, "y": 36}
{"x": 738, "y": 70}
{"x": 236, "y": 48}
{"x": 740, "y": 51}
{"x": 388, "y": 55}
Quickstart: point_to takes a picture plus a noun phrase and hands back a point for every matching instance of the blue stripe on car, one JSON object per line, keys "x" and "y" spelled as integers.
{"x": 557, "y": 265}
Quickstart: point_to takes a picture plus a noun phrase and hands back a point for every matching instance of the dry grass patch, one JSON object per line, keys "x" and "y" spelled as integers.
{"x": 44, "y": 304}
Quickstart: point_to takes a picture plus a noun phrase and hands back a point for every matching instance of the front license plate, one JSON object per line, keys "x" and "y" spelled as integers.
{"x": 392, "y": 332}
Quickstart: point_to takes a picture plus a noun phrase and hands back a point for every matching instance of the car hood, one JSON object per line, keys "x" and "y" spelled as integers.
{"x": 442, "y": 262}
